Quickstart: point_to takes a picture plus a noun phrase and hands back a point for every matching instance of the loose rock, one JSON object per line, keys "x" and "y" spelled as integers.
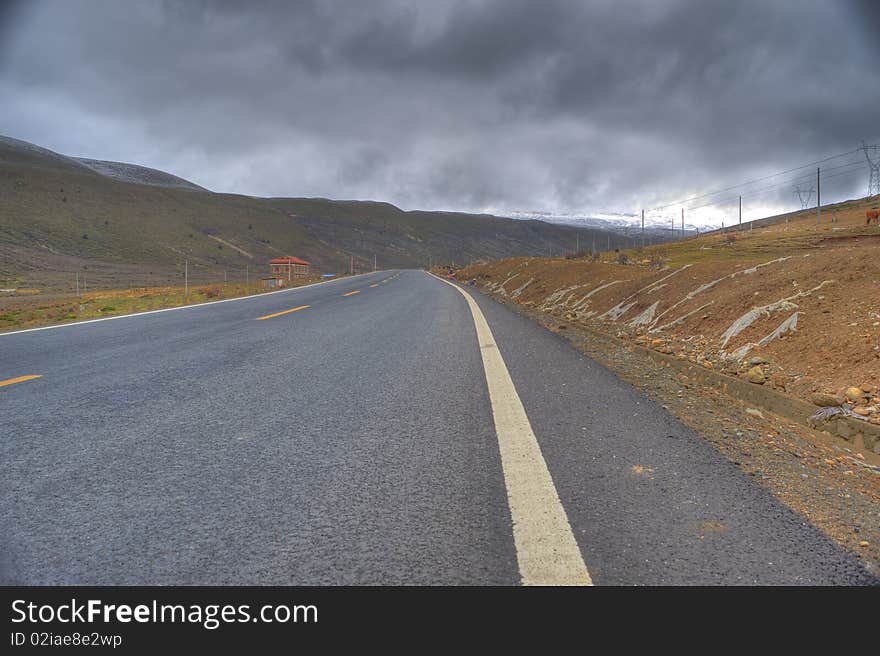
{"x": 779, "y": 380}
{"x": 824, "y": 400}
{"x": 756, "y": 375}
{"x": 853, "y": 394}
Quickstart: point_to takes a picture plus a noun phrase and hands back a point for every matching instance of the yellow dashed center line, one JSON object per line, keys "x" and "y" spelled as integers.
{"x": 20, "y": 379}
{"x": 376, "y": 285}
{"x": 278, "y": 314}
{"x": 356, "y": 291}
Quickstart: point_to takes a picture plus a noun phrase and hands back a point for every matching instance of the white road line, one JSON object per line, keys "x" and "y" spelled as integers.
{"x": 180, "y": 307}
{"x": 546, "y": 550}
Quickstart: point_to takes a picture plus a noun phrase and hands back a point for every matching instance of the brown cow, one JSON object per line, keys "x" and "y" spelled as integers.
{"x": 873, "y": 216}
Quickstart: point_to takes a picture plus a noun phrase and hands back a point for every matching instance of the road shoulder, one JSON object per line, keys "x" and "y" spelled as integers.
{"x": 767, "y": 450}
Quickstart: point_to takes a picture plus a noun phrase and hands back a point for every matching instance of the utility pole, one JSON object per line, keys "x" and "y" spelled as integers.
{"x": 577, "y": 244}
{"x": 374, "y": 261}
{"x": 224, "y": 276}
{"x": 77, "y": 283}
{"x": 818, "y": 196}
{"x": 185, "y": 280}
{"x": 351, "y": 265}
{"x": 609, "y": 242}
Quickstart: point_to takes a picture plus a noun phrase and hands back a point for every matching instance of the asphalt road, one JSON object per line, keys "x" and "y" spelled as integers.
{"x": 353, "y": 442}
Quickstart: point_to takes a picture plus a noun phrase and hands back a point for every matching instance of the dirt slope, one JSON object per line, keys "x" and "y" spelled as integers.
{"x": 798, "y": 301}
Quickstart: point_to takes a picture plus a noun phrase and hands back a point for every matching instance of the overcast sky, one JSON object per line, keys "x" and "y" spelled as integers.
{"x": 561, "y": 106}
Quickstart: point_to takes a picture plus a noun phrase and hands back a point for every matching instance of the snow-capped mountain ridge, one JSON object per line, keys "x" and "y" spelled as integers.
{"x": 619, "y": 222}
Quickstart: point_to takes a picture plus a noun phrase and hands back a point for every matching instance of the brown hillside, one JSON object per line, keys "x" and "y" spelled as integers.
{"x": 800, "y": 301}
{"x": 123, "y": 225}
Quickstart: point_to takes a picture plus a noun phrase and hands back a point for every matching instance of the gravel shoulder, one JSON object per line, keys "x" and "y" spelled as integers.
{"x": 820, "y": 477}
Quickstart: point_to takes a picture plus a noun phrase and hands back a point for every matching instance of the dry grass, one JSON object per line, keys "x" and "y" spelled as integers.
{"x": 34, "y": 312}
{"x": 765, "y": 238}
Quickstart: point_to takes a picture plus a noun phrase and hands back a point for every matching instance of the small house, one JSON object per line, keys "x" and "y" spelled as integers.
{"x": 288, "y": 267}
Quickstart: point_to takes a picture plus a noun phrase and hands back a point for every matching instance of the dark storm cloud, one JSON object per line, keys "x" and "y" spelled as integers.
{"x": 496, "y": 105}
{"x": 868, "y": 14}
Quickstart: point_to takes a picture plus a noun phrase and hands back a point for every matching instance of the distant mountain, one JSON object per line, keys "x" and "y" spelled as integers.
{"x": 137, "y": 225}
{"x": 620, "y": 223}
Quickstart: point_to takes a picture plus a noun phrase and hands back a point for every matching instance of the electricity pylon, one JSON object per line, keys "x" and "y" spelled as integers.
{"x": 804, "y": 195}
{"x": 872, "y": 154}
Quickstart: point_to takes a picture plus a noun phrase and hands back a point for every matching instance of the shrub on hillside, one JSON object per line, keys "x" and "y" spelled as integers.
{"x": 656, "y": 259}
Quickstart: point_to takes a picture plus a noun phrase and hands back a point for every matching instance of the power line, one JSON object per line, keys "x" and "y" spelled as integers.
{"x": 729, "y": 200}
{"x": 801, "y": 189}
{"x": 783, "y": 185}
{"x": 825, "y": 178}
{"x": 761, "y": 179}
{"x": 853, "y": 166}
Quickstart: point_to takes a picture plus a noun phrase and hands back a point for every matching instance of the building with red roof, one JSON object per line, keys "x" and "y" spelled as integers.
{"x": 285, "y": 268}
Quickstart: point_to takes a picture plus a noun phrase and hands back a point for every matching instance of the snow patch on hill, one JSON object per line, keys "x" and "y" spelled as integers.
{"x": 137, "y": 174}
{"x": 16, "y": 151}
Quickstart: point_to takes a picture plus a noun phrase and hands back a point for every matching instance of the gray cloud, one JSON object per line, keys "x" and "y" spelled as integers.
{"x": 496, "y": 105}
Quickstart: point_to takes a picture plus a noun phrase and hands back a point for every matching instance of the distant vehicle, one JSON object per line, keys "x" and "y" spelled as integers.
{"x": 328, "y": 275}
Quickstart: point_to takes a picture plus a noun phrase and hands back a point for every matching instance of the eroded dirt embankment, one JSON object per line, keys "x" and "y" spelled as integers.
{"x": 806, "y": 324}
